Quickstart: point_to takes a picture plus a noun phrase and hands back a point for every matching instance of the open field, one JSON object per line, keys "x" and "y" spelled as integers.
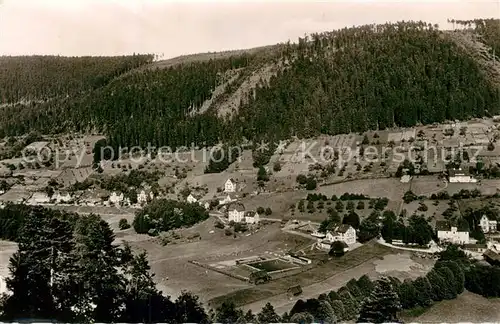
{"x": 468, "y": 307}
{"x": 389, "y": 188}
{"x": 172, "y": 261}
{"x": 427, "y": 185}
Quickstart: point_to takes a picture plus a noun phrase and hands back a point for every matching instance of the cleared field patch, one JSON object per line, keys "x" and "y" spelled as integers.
{"x": 389, "y": 188}
{"x": 467, "y": 307}
{"x": 427, "y": 185}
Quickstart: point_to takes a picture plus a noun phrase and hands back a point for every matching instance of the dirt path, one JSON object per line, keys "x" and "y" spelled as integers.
{"x": 282, "y": 303}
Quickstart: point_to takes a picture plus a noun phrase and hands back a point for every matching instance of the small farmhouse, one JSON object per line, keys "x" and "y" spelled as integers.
{"x": 294, "y": 291}
{"x": 60, "y": 198}
{"x": 460, "y": 176}
{"x": 345, "y": 233}
{"x": 231, "y": 185}
{"x": 252, "y": 217}
{"x": 479, "y": 248}
{"x": 488, "y": 224}
{"x": 229, "y": 198}
{"x": 236, "y": 212}
{"x": 451, "y": 234}
{"x": 192, "y": 198}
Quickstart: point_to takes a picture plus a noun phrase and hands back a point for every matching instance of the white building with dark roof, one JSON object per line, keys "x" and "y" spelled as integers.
{"x": 230, "y": 185}
{"x": 488, "y": 224}
{"x": 236, "y": 212}
{"x": 345, "y": 233}
{"x": 460, "y": 176}
{"x": 451, "y": 234}
{"x": 115, "y": 198}
{"x": 142, "y": 198}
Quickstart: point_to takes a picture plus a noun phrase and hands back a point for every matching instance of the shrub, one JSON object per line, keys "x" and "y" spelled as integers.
{"x": 123, "y": 224}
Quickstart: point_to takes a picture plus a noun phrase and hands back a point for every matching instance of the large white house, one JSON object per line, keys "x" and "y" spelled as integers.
{"x": 488, "y": 224}
{"x": 460, "y": 176}
{"x": 252, "y": 217}
{"x": 231, "y": 185}
{"x": 345, "y": 233}
{"x": 115, "y": 198}
{"x": 451, "y": 234}
{"x": 236, "y": 212}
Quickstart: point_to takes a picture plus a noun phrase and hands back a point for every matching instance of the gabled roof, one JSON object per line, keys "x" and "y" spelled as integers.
{"x": 250, "y": 213}
{"x": 231, "y": 195}
{"x": 232, "y": 180}
{"x": 446, "y": 226}
{"x": 344, "y": 244}
{"x": 492, "y": 255}
{"x": 443, "y": 226}
{"x": 343, "y": 228}
{"x": 295, "y": 290}
{"x": 457, "y": 172}
{"x": 488, "y": 217}
{"x": 236, "y": 206}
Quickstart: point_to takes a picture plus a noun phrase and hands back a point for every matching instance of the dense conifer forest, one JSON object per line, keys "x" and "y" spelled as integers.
{"x": 353, "y": 79}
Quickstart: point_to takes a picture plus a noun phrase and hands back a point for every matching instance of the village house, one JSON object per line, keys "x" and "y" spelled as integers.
{"x": 39, "y": 198}
{"x": 115, "y": 198}
{"x": 252, "y": 217}
{"x": 192, "y": 198}
{"x": 488, "y": 224}
{"x": 460, "y": 176}
{"x": 60, "y": 198}
{"x": 229, "y": 198}
{"x": 142, "y": 198}
{"x": 480, "y": 248}
{"x": 345, "y": 233}
{"x": 451, "y": 234}
{"x": 231, "y": 185}
{"x": 236, "y": 212}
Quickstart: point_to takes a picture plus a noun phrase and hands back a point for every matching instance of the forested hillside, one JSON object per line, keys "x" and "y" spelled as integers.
{"x": 354, "y": 79}
{"x": 44, "y": 77}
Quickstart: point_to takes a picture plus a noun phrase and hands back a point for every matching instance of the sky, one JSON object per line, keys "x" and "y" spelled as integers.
{"x": 172, "y": 28}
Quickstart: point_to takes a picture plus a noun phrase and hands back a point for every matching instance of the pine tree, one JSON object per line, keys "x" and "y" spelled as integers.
{"x": 188, "y": 309}
{"x": 382, "y": 305}
{"x": 144, "y": 303}
{"x": 228, "y": 313}
{"x": 268, "y": 315}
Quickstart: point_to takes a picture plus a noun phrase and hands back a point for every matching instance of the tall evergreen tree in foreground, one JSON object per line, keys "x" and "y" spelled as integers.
{"x": 382, "y": 305}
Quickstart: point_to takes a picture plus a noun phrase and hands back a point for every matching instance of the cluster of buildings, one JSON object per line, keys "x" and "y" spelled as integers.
{"x": 344, "y": 233}
{"x": 448, "y": 233}
{"x": 114, "y": 199}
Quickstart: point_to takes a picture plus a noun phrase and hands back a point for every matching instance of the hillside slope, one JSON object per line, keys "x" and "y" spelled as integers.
{"x": 354, "y": 79}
